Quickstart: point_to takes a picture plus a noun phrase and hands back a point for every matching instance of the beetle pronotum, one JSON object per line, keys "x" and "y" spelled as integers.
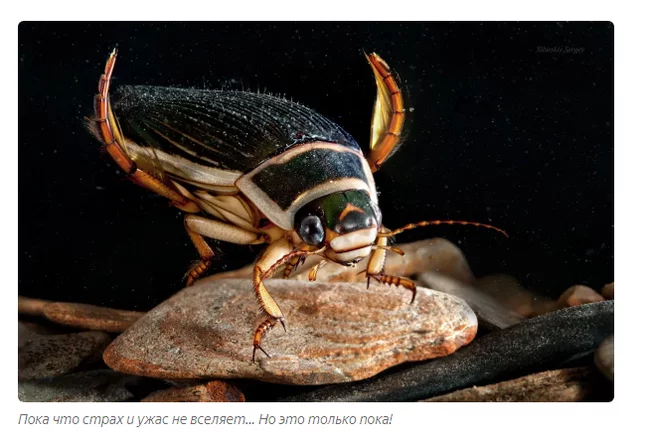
{"x": 252, "y": 168}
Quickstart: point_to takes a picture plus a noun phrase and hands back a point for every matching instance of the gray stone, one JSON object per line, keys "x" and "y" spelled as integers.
{"x": 90, "y": 386}
{"x": 54, "y": 355}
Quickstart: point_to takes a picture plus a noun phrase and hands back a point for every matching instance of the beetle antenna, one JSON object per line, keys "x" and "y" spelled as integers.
{"x": 426, "y": 223}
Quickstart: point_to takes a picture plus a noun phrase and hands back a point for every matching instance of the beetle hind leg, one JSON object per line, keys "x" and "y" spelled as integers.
{"x": 106, "y": 128}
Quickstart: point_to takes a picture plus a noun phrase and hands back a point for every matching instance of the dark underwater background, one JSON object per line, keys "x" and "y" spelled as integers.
{"x": 512, "y": 125}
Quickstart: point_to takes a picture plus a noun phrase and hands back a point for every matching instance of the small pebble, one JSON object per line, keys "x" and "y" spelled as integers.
{"x": 214, "y": 391}
{"x": 604, "y": 358}
{"x": 578, "y": 295}
{"x": 608, "y": 291}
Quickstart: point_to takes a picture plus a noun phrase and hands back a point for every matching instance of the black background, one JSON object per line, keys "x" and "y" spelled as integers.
{"x": 502, "y": 132}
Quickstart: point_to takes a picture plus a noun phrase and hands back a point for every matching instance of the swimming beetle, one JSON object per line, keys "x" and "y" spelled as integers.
{"x": 253, "y": 168}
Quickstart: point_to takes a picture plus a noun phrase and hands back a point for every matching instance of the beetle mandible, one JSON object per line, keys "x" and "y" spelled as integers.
{"x": 253, "y": 168}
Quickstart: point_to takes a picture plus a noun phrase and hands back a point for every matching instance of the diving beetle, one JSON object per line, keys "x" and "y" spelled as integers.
{"x": 254, "y": 168}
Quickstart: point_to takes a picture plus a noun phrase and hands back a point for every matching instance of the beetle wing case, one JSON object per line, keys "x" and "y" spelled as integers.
{"x": 229, "y": 130}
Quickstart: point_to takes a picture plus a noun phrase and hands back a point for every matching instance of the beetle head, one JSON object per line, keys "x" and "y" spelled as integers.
{"x": 346, "y": 222}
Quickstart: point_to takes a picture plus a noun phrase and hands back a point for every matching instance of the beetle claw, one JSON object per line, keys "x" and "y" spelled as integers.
{"x": 255, "y": 347}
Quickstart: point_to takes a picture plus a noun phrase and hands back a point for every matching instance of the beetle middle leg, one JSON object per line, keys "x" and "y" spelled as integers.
{"x": 197, "y": 227}
{"x": 274, "y": 253}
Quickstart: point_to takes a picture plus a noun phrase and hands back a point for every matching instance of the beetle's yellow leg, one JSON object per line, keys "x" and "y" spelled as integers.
{"x": 106, "y": 129}
{"x": 197, "y": 227}
{"x": 375, "y": 269}
{"x": 206, "y": 257}
{"x": 269, "y": 259}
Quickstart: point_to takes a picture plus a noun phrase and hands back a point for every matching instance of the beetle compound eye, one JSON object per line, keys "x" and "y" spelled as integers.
{"x": 311, "y": 230}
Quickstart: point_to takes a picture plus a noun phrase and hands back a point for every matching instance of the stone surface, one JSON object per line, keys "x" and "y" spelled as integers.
{"x": 491, "y": 314}
{"x": 30, "y": 306}
{"x": 214, "y": 391}
{"x": 435, "y": 254}
{"x": 564, "y": 385}
{"x": 533, "y": 345}
{"x": 608, "y": 291}
{"x": 507, "y": 291}
{"x": 90, "y": 317}
{"x": 90, "y": 386}
{"x": 604, "y": 358}
{"x": 578, "y": 295}
{"x": 337, "y": 332}
{"x": 54, "y": 355}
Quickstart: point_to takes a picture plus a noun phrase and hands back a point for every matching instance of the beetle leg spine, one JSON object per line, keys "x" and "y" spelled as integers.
{"x": 397, "y": 281}
{"x": 260, "y": 333}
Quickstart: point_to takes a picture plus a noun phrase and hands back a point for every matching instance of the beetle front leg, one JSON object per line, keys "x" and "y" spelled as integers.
{"x": 274, "y": 253}
{"x": 375, "y": 269}
{"x": 197, "y": 227}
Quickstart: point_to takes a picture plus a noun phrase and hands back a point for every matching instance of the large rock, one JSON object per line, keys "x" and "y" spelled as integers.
{"x": 337, "y": 332}
{"x": 533, "y": 345}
